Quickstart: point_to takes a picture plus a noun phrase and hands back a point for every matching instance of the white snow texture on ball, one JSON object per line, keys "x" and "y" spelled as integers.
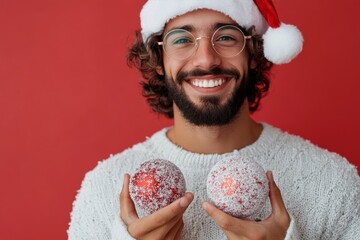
{"x": 238, "y": 186}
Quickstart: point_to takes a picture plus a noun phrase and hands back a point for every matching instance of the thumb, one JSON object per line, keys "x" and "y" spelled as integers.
{"x": 127, "y": 208}
{"x": 277, "y": 202}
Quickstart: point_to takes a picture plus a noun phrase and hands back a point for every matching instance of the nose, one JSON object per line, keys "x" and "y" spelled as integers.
{"x": 205, "y": 56}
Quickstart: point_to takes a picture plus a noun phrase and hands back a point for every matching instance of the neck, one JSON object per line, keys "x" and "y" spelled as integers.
{"x": 241, "y": 132}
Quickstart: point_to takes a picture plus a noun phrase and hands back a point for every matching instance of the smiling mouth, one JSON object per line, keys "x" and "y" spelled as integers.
{"x": 202, "y": 83}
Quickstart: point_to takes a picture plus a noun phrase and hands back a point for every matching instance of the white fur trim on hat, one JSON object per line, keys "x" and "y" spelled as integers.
{"x": 156, "y": 13}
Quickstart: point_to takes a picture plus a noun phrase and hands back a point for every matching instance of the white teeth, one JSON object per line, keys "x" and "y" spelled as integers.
{"x": 207, "y": 83}
{"x": 211, "y": 83}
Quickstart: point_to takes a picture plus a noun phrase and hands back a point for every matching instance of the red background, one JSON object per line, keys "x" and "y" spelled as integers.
{"x": 68, "y": 99}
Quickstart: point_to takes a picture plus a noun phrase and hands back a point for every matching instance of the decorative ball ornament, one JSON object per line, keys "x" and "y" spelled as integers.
{"x": 238, "y": 186}
{"x": 156, "y": 184}
{"x": 282, "y": 42}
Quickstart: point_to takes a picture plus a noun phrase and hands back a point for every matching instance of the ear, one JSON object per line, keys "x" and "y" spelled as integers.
{"x": 253, "y": 64}
{"x": 160, "y": 70}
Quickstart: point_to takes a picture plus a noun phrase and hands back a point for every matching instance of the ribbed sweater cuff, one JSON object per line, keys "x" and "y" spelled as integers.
{"x": 292, "y": 232}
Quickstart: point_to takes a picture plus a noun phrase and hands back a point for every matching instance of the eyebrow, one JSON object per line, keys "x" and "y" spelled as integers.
{"x": 191, "y": 28}
{"x": 219, "y": 25}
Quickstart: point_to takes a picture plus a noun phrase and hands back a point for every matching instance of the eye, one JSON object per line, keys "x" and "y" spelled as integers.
{"x": 225, "y": 38}
{"x": 183, "y": 40}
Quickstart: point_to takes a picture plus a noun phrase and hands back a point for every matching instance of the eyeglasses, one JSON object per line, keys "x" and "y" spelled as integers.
{"x": 227, "y": 41}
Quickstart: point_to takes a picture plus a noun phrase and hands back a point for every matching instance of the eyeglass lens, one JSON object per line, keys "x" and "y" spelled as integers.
{"x": 227, "y": 41}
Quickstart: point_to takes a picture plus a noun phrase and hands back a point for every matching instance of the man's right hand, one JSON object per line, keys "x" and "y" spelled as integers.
{"x": 166, "y": 223}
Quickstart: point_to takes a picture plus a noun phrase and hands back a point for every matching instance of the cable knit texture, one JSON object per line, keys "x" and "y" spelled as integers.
{"x": 321, "y": 189}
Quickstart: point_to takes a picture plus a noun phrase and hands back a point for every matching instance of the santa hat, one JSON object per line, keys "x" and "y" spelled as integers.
{"x": 282, "y": 42}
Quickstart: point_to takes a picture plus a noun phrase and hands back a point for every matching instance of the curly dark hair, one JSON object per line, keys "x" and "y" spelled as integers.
{"x": 147, "y": 57}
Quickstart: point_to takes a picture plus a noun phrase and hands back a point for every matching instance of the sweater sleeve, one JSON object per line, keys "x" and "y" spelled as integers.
{"x": 348, "y": 217}
{"x": 338, "y": 208}
{"x": 353, "y": 230}
{"x": 87, "y": 217}
{"x": 292, "y": 232}
{"x": 95, "y": 213}
{"x": 119, "y": 231}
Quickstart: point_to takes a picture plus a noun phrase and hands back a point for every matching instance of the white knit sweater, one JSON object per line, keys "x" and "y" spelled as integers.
{"x": 321, "y": 190}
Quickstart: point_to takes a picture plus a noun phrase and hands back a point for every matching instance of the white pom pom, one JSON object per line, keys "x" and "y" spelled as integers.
{"x": 282, "y": 44}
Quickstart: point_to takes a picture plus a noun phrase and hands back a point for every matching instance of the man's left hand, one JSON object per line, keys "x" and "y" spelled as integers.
{"x": 274, "y": 227}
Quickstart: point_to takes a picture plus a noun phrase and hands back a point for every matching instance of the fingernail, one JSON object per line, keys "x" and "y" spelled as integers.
{"x": 271, "y": 176}
{"x": 184, "y": 202}
{"x": 124, "y": 179}
{"x": 205, "y": 205}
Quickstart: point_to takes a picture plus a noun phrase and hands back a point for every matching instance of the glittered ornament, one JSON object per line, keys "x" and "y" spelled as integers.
{"x": 155, "y": 184}
{"x": 238, "y": 186}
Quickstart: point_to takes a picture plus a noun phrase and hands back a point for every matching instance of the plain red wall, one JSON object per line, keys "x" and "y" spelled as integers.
{"x": 68, "y": 99}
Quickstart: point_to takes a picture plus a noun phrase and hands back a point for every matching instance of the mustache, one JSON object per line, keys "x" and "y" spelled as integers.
{"x": 182, "y": 75}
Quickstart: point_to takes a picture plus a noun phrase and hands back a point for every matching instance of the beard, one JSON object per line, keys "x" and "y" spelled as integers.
{"x": 211, "y": 112}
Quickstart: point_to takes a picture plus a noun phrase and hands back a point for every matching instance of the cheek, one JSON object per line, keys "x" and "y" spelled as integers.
{"x": 172, "y": 67}
{"x": 242, "y": 65}
{"x": 168, "y": 68}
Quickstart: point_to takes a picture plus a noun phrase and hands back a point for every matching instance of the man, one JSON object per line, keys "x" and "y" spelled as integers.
{"x": 206, "y": 64}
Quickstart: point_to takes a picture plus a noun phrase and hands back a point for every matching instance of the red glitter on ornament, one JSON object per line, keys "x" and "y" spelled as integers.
{"x": 146, "y": 183}
{"x": 156, "y": 184}
{"x": 229, "y": 186}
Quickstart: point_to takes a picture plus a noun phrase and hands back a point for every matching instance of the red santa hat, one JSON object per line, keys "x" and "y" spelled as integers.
{"x": 282, "y": 42}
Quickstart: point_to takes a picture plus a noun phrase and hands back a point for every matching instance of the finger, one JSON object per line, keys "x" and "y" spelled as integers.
{"x": 277, "y": 203}
{"x": 176, "y": 208}
{"x": 179, "y": 231}
{"x": 171, "y": 235}
{"x": 225, "y": 221}
{"x": 166, "y": 214}
{"x": 140, "y": 229}
{"x": 127, "y": 208}
{"x": 276, "y": 200}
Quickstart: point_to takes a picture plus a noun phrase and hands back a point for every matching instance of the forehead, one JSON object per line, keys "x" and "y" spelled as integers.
{"x": 201, "y": 20}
